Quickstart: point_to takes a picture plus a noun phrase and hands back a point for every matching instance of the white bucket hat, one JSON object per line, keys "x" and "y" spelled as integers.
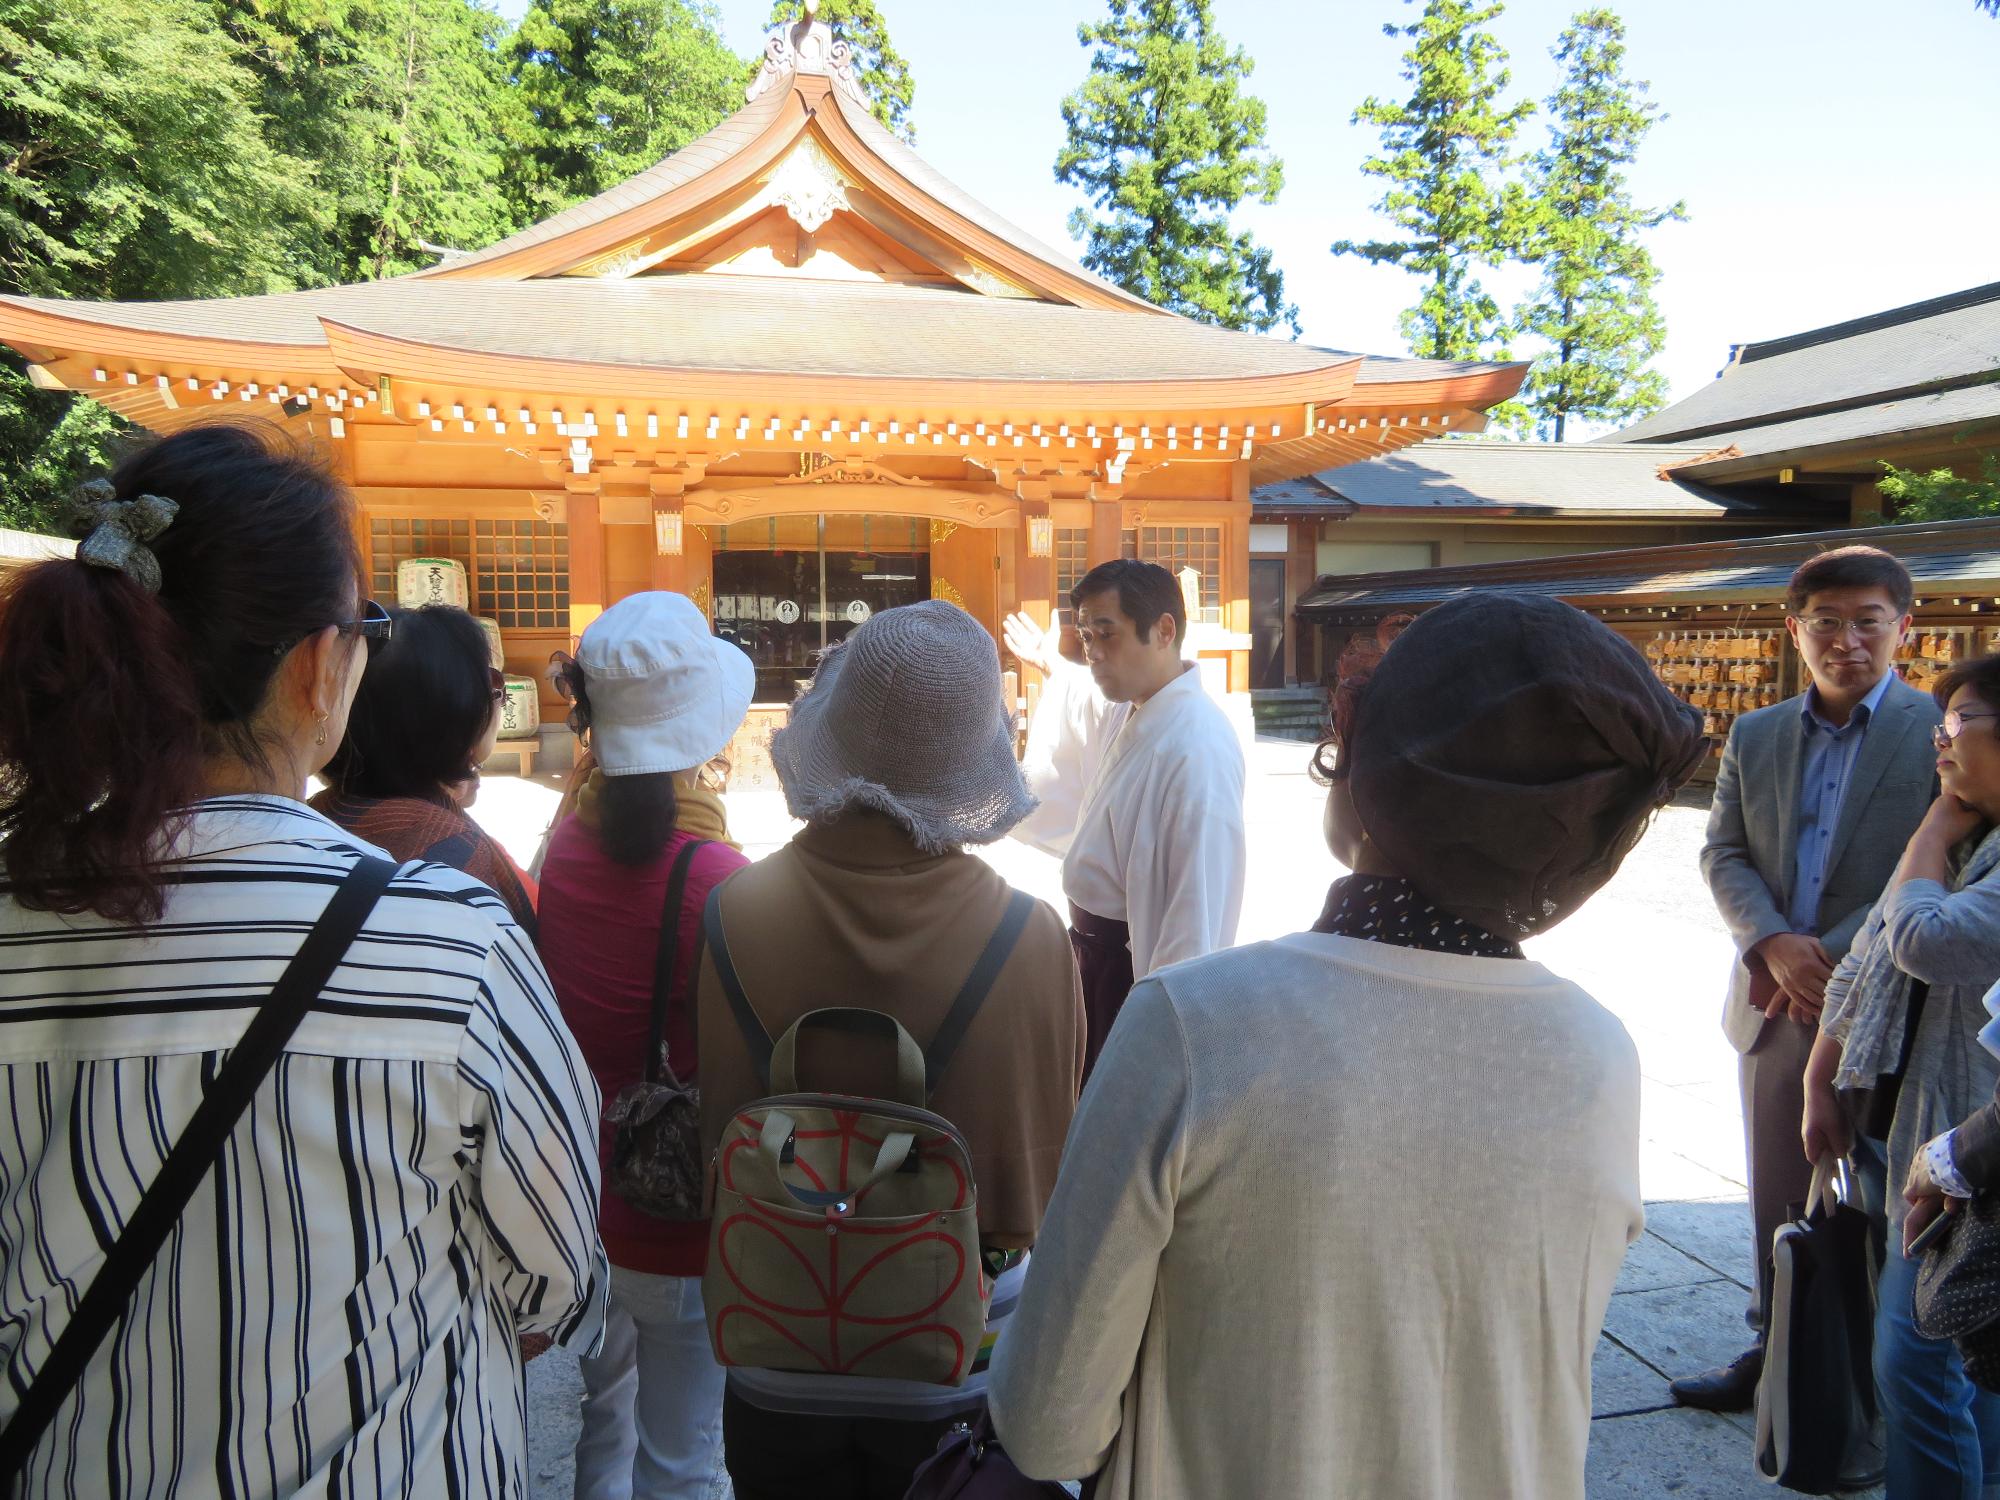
{"x": 905, "y": 716}
{"x": 665, "y": 694}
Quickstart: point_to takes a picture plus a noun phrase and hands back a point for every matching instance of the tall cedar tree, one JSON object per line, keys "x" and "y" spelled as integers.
{"x": 132, "y": 164}
{"x": 1166, "y": 145}
{"x": 880, "y": 68}
{"x": 611, "y": 87}
{"x": 1444, "y": 151}
{"x": 404, "y": 110}
{"x": 1594, "y": 308}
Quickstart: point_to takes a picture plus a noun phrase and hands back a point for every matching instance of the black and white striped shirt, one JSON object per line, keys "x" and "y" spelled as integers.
{"x": 415, "y": 1183}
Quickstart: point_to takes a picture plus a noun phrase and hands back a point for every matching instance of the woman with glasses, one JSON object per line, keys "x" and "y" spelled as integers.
{"x": 412, "y": 1182}
{"x": 1904, "y": 1012}
{"x": 426, "y": 715}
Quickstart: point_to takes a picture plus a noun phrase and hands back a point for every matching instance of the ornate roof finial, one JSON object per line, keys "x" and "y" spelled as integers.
{"x": 807, "y": 45}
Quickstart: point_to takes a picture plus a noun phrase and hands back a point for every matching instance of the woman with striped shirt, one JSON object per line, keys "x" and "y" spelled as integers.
{"x": 413, "y": 1185}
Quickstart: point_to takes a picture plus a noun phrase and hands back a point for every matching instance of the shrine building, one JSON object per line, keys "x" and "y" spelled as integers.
{"x": 791, "y": 372}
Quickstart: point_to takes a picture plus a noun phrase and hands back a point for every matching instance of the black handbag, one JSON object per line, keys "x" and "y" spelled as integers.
{"x": 199, "y": 1147}
{"x": 656, "y": 1139}
{"x": 970, "y": 1464}
{"x": 1958, "y": 1289}
{"x": 1816, "y": 1397}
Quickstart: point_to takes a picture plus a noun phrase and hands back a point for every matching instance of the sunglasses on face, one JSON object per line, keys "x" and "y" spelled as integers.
{"x": 497, "y": 681}
{"x": 1953, "y": 726}
{"x": 374, "y": 627}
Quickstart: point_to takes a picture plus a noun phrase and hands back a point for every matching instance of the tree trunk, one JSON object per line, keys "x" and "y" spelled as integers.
{"x": 385, "y": 225}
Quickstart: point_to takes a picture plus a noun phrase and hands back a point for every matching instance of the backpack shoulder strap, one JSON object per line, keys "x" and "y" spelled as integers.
{"x": 755, "y": 1037}
{"x": 978, "y": 984}
{"x": 188, "y": 1162}
{"x": 668, "y": 957}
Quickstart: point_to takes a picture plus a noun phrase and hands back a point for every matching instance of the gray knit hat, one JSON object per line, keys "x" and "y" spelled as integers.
{"x": 905, "y": 716}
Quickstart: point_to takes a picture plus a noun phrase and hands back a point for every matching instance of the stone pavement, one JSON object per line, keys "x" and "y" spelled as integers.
{"x": 1649, "y": 947}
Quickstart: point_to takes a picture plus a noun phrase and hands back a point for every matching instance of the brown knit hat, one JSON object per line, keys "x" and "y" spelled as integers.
{"x": 1507, "y": 754}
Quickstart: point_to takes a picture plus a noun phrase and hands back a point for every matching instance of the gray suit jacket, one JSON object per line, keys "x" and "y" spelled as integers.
{"x": 1752, "y": 847}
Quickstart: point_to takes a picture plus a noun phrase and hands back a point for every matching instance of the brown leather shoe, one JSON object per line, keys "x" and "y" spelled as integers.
{"x": 1731, "y": 1388}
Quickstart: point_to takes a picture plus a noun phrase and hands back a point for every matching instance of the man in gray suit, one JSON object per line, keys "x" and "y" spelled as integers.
{"x": 1814, "y": 802}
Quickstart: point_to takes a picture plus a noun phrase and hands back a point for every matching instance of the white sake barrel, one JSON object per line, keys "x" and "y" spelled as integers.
{"x": 493, "y": 642}
{"x": 431, "y": 580}
{"x": 520, "y": 710}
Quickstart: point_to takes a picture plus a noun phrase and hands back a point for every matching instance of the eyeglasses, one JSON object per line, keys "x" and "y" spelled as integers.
{"x": 497, "y": 680}
{"x": 374, "y": 627}
{"x": 1953, "y": 726}
{"x": 1826, "y": 627}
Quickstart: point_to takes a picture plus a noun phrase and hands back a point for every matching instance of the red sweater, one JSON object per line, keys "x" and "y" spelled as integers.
{"x": 600, "y": 933}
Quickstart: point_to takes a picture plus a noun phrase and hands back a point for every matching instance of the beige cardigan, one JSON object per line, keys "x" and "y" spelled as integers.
{"x": 1335, "y": 1219}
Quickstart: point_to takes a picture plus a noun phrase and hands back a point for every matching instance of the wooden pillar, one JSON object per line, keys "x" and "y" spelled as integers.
{"x": 1236, "y": 572}
{"x": 1107, "y": 525}
{"x": 1301, "y": 573}
{"x": 587, "y": 584}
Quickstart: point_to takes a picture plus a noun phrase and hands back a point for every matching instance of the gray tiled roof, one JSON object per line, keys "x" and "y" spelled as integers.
{"x": 1942, "y": 409}
{"x": 1388, "y": 369}
{"x": 1948, "y": 341}
{"x": 1515, "y": 478}
{"x": 738, "y": 323}
{"x": 1942, "y": 556}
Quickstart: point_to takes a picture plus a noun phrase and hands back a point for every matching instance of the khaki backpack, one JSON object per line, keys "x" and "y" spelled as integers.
{"x": 844, "y": 1237}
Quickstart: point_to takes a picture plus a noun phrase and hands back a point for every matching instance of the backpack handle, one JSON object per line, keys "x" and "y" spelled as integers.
{"x": 889, "y": 1158}
{"x": 909, "y": 1056}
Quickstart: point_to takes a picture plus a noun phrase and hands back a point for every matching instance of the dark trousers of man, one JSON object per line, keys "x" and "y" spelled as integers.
{"x": 775, "y": 1455}
{"x": 1103, "y": 947}
{"x": 1772, "y": 1077}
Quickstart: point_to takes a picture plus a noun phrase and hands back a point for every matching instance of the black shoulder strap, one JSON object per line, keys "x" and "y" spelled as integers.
{"x": 972, "y": 995}
{"x": 755, "y": 1037}
{"x": 187, "y": 1164}
{"x": 665, "y": 960}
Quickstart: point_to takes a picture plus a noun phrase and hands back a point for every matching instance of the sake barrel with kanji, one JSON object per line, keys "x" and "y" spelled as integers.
{"x": 520, "y": 709}
{"x": 431, "y": 580}
{"x": 494, "y": 645}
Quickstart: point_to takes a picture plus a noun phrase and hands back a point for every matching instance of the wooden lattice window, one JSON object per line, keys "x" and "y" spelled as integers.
{"x": 1197, "y": 547}
{"x": 395, "y": 541}
{"x": 521, "y": 573}
{"x": 1072, "y": 557}
{"x": 516, "y": 571}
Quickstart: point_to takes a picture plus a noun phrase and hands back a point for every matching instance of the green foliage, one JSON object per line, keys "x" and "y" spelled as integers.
{"x": 1940, "y": 494}
{"x": 877, "y": 64}
{"x": 404, "y": 110}
{"x": 132, "y": 164}
{"x": 1594, "y": 308}
{"x": 132, "y": 158}
{"x": 611, "y": 87}
{"x": 1445, "y": 151}
{"x": 1165, "y": 145}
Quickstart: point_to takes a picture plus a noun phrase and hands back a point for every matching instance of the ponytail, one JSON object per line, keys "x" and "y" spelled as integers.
{"x": 100, "y": 738}
{"x": 114, "y": 700}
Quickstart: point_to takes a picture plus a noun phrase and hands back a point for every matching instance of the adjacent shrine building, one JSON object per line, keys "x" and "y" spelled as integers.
{"x": 789, "y": 371}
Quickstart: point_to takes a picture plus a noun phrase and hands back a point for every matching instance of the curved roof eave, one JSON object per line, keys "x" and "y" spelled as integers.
{"x": 358, "y": 349}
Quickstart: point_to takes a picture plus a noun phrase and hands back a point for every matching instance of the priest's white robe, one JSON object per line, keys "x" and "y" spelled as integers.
{"x": 1146, "y": 807}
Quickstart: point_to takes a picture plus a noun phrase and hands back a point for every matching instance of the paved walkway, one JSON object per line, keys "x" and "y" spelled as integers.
{"x": 1651, "y": 948}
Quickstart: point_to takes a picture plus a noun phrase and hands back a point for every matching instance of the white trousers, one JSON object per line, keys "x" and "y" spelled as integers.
{"x": 652, "y": 1401}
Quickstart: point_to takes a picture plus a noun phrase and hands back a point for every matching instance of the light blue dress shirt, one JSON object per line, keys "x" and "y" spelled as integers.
{"x": 1831, "y": 753}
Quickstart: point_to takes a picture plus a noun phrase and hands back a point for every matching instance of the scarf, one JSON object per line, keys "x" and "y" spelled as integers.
{"x": 697, "y": 810}
{"x": 1388, "y": 909}
{"x": 1872, "y": 1013}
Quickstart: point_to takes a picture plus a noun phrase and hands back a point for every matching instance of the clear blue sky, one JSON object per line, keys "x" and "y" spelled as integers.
{"x": 1837, "y": 156}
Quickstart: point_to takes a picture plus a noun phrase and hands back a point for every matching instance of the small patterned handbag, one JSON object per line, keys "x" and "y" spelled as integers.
{"x": 1958, "y": 1289}
{"x": 656, "y": 1142}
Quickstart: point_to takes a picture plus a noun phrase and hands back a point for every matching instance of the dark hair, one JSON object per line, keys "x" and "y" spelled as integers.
{"x": 112, "y": 698}
{"x": 635, "y": 813}
{"x": 1981, "y": 674}
{"x": 1851, "y": 568}
{"x": 1358, "y": 660}
{"x": 1145, "y": 592}
{"x": 424, "y": 705}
